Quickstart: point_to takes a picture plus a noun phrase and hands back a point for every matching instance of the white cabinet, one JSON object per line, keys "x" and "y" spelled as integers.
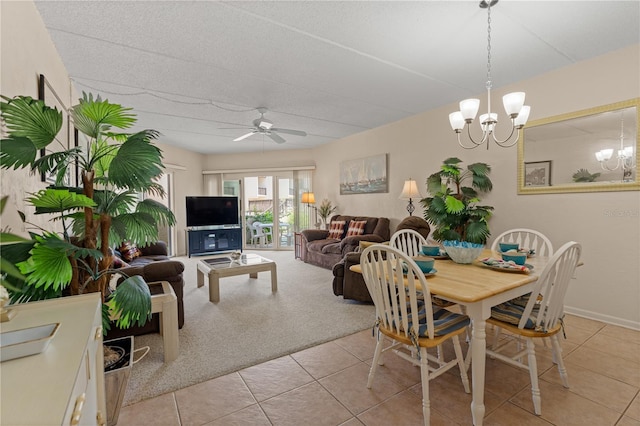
{"x": 64, "y": 385}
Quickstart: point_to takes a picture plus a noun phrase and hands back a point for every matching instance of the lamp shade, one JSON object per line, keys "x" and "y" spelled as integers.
{"x": 469, "y": 108}
{"x": 513, "y": 103}
{"x": 410, "y": 190}
{"x": 308, "y": 198}
{"x": 456, "y": 120}
{"x": 523, "y": 116}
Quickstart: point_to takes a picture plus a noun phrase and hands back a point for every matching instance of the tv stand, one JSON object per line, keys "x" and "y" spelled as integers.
{"x": 215, "y": 239}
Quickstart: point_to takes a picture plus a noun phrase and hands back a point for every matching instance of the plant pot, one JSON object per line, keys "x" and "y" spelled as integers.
{"x": 116, "y": 374}
{"x": 463, "y": 251}
{"x": 116, "y": 377}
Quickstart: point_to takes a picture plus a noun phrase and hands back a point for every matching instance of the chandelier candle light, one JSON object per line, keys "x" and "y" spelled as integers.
{"x": 409, "y": 192}
{"x": 513, "y": 105}
{"x": 625, "y": 156}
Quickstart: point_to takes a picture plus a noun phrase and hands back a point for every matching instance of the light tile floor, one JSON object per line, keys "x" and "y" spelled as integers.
{"x": 326, "y": 385}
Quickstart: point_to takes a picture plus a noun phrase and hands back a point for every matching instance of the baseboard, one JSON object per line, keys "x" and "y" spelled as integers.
{"x": 603, "y": 318}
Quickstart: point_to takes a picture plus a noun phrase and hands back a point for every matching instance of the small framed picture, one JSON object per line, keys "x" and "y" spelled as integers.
{"x": 537, "y": 173}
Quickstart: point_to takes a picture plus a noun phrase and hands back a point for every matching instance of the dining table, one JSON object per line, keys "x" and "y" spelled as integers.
{"x": 478, "y": 288}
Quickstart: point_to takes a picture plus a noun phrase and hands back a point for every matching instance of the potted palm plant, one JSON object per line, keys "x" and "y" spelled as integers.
{"x": 453, "y": 209}
{"x": 103, "y": 211}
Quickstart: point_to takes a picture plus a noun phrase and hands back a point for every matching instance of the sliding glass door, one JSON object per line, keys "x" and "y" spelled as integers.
{"x": 271, "y": 208}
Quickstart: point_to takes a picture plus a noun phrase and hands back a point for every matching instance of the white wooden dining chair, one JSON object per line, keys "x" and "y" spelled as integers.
{"x": 526, "y": 238}
{"x": 539, "y": 318}
{"x": 408, "y": 241}
{"x": 405, "y": 322}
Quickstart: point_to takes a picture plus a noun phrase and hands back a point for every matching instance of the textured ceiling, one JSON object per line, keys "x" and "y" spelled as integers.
{"x": 191, "y": 69}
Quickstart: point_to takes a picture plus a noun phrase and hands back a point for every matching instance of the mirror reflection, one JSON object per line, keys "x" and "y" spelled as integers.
{"x": 591, "y": 150}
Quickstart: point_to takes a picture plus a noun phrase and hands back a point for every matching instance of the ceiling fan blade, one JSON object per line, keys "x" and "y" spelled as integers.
{"x": 291, "y": 132}
{"x": 245, "y": 136}
{"x": 276, "y": 137}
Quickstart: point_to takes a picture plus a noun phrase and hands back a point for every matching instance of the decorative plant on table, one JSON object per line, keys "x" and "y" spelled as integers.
{"x": 325, "y": 210}
{"x": 453, "y": 209}
{"x": 102, "y": 213}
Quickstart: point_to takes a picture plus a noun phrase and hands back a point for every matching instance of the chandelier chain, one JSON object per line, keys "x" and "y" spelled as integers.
{"x": 489, "y": 45}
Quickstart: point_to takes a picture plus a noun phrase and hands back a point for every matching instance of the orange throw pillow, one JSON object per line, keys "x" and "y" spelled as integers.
{"x": 336, "y": 229}
{"x": 356, "y": 227}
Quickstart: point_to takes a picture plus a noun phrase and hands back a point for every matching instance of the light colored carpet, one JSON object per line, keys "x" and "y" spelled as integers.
{"x": 248, "y": 326}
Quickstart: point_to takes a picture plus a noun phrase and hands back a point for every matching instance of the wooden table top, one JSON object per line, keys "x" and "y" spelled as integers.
{"x": 474, "y": 282}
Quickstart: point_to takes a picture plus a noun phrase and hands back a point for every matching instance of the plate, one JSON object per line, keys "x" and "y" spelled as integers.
{"x": 529, "y": 252}
{"x": 502, "y": 266}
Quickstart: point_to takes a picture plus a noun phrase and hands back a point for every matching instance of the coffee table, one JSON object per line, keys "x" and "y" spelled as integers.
{"x": 222, "y": 266}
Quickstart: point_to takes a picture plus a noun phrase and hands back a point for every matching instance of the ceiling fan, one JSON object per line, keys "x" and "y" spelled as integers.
{"x": 263, "y": 126}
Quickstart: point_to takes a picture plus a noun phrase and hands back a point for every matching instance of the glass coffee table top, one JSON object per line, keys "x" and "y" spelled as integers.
{"x": 244, "y": 260}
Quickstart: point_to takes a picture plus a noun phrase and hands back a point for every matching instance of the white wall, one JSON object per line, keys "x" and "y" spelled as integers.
{"x": 20, "y": 67}
{"x": 187, "y": 180}
{"x": 606, "y": 223}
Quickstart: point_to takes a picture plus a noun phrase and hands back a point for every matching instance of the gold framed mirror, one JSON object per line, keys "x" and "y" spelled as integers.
{"x": 558, "y": 154}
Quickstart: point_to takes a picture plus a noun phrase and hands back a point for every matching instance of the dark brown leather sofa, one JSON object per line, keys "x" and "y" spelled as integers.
{"x": 351, "y": 285}
{"x": 154, "y": 264}
{"x": 318, "y": 250}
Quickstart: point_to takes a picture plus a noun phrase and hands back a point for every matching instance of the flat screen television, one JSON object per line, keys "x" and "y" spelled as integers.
{"x": 212, "y": 211}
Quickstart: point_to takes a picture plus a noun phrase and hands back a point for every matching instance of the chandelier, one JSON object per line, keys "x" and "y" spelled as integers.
{"x": 624, "y": 158}
{"x": 513, "y": 105}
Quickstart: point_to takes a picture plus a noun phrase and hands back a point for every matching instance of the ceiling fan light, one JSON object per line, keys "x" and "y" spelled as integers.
{"x": 513, "y": 103}
{"x": 469, "y": 108}
{"x": 265, "y": 124}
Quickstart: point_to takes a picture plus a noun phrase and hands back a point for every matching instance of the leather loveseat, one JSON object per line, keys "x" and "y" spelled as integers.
{"x": 351, "y": 285}
{"x": 320, "y": 250}
{"x": 154, "y": 264}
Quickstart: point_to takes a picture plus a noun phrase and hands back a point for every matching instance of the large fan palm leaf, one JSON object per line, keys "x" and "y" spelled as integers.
{"x": 32, "y": 119}
{"x": 136, "y": 163}
{"x": 93, "y": 117}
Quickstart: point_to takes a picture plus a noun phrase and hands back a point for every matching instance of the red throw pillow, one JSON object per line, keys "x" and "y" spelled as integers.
{"x": 129, "y": 251}
{"x": 118, "y": 263}
{"x": 356, "y": 227}
{"x": 336, "y": 229}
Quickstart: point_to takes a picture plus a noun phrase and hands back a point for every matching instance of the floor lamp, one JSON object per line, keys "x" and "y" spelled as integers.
{"x": 309, "y": 198}
{"x": 410, "y": 192}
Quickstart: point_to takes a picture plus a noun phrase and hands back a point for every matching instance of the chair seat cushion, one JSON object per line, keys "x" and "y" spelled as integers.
{"x": 512, "y": 310}
{"x": 332, "y": 248}
{"x": 444, "y": 321}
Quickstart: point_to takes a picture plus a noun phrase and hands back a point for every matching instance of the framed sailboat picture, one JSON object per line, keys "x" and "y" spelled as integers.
{"x": 364, "y": 175}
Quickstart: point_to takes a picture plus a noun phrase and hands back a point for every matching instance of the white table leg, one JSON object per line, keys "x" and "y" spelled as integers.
{"x": 200, "y": 277}
{"x": 166, "y": 305}
{"x": 214, "y": 287}
{"x": 478, "y": 358}
{"x": 169, "y": 320}
{"x": 274, "y": 279}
